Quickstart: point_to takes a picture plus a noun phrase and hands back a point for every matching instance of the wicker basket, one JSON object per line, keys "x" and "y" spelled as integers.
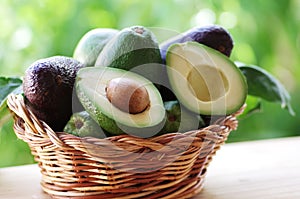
{"x": 167, "y": 166}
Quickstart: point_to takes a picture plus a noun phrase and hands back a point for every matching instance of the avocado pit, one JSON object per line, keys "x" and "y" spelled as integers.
{"x": 127, "y": 95}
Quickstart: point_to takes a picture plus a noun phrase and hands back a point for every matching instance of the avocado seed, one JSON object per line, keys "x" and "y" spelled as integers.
{"x": 127, "y": 95}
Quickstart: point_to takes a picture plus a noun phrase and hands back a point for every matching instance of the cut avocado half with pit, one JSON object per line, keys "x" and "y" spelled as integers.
{"x": 104, "y": 92}
{"x": 204, "y": 80}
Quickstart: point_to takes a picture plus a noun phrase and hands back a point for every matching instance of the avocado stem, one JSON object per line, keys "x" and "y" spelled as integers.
{"x": 139, "y": 30}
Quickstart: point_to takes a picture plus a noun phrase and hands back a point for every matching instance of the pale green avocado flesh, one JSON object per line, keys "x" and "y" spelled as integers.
{"x": 91, "y": 86}
{"x": 204, "y": 80}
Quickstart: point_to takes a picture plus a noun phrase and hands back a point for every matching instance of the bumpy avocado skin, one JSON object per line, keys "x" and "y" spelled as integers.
{"x": 82, "y": 125}
{"x": 48, "y": 89}
{"x": 180, "y": 119}
{"x": 213, "y": 36}
{"x": 134, "y": 48}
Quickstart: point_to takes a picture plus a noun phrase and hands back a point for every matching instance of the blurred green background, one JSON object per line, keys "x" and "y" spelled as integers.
{"x": 265, "y": 32}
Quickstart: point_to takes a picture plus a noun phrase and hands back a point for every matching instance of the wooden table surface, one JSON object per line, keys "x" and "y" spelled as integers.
{"x": 267, "y": 169}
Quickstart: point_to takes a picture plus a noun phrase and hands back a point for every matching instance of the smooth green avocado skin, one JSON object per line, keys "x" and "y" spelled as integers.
{"x": 106, "y": 120}
{"x": 91, "y": 44}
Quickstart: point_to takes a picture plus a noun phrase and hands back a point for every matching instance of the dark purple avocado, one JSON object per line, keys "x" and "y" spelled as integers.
{"x": 48, "y": 88}
{"x": 213, "y": 36}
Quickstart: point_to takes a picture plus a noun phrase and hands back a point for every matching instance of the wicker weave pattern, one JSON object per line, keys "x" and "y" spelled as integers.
{"x": 167, "y": 166}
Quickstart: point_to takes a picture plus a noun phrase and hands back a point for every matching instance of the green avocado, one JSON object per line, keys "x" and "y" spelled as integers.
{"x": 134, "y": 48}
{"x": 91, "y": 44}
{"x": 204, "y": 80}
{"x": 108, "y": 95}
{"x": 179, "y": 119}
{"x": 82, "y": 125}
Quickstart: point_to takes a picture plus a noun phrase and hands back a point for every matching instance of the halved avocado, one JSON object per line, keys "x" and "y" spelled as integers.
{"x": 204, "y": 80}
{"x": 92, "y": 85}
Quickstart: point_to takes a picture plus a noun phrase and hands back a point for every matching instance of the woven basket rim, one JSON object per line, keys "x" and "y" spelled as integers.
{"x": 16, "y": 104}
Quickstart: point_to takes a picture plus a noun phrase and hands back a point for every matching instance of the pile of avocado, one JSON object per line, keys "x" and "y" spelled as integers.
{"x": 126, "y": 82}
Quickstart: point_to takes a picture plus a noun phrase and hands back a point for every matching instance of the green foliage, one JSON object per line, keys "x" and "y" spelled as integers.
{"x": 7, "y": 85}
{"x": 13, "y": 151}
{"x": 265, "y": 33}
{"x": 263, "y": 85}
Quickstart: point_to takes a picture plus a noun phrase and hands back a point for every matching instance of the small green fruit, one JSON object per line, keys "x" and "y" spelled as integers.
{"x": 82, "y": 125}
{"x": 179, "y": 119}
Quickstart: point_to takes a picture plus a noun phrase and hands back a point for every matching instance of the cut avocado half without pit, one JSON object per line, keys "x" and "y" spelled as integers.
{"x": 204, "y": 80}
{"x": 121, "y": 101}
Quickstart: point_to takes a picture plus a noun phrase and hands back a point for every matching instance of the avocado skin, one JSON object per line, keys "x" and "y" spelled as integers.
{"x": 82, "y": 125}
{"x": 179, "y": 119}
{"x": 48, "y": 89}
{"x": 213, "y": 36}
{"x": 134, "y": 48}
{"x": 91, "y": 44}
